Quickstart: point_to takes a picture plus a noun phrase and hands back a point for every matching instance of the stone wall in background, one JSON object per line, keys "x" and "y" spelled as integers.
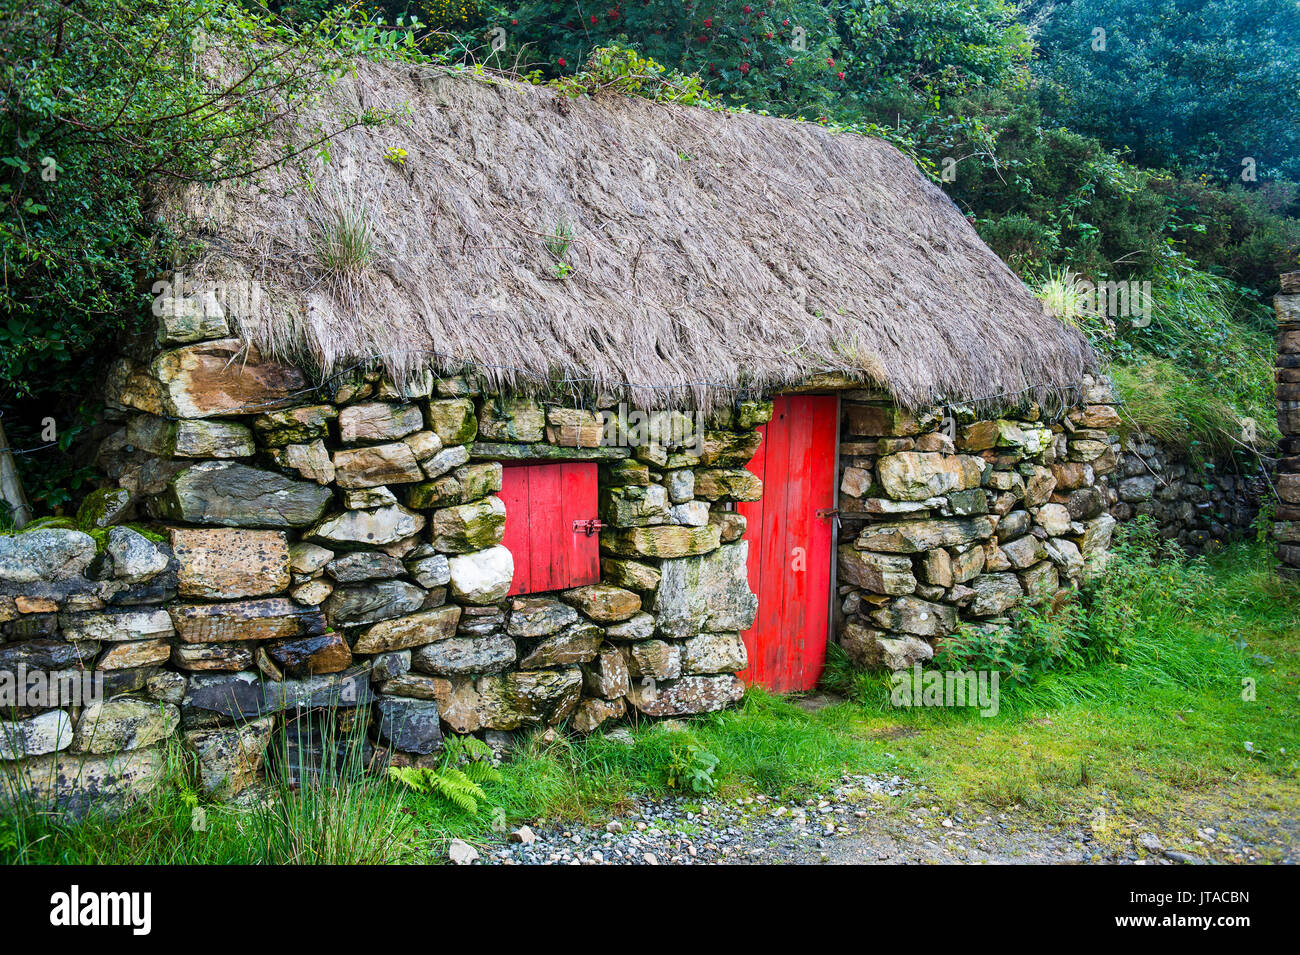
{"x": 948, "y": 520}
{"x": 1287, "y": 528}
{"x": 333, "y": 561}
{"x": 1200, "y": 505}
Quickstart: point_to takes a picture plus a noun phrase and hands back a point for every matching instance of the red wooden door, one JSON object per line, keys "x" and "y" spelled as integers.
{"x": 543, "y": 501}
{"x": 789, "y": 545}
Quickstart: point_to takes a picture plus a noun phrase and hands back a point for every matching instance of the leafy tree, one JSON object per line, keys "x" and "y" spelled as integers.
{"x": 936, "y": 48}
{"x": 105, "y": 104}
{"x": 1201, "y": 85}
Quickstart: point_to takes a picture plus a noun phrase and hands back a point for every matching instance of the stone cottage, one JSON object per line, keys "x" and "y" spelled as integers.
{"x": 524, "y": 410}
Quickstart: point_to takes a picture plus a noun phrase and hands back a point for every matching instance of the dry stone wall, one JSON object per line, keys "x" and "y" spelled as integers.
{"x": 270, "y": 556}
{"x": 1198, "y": 504}
{"x": 948, "y": 521}
{"x": 1286, "y": 530}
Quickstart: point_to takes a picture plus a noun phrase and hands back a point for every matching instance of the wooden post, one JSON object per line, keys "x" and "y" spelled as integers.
{"x": 11, "y": 486}
{"x": 1287, "y": 529}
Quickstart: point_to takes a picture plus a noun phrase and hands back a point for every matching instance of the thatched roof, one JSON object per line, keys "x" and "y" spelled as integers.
{"x": 713, "y": 253}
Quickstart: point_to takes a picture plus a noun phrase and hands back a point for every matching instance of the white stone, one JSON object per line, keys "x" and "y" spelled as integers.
{"x": 482, "y": 577}
{"x": 689, "y": 514}
{"x": 45, "y": 733}
{"x": 384, "y": 525}
{"x": 461, "y": 852}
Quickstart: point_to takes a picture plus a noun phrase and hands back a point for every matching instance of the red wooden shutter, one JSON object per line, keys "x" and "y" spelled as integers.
{"x": 543, "y": 501}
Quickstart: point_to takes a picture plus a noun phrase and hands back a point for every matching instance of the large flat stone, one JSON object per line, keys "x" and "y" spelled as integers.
{"x": 576, "y": 644}
{"x": 378, "y": 421}
{"x": 231, "y": 657}
{"x": 710, "y": 593}
{"x": 914, "y": 537}
{"x": 138, "y": 653}
{"x": 465, "y": 655}
{"x": 722, "y": 449}
{"x": 222, "y": 564}
{"x": 414, "y": 630}
{"x": 635, "y": 506}
{"x": 372, "y": 528}
{"x": 117, "y": 625}
{"x": 538, "y": 617}
{"x": 727, "y": 484}
{"x": 377, "y": 466}
{"x": 879, "y": 573}
{"x": 268, "y": 619}
{"x": 301, "y": 425}
{"x": 510, "y": 701}
{"x": 311, "y": 655}
{"x": 223, "y": 378}
{"x": 665, "y": 542}
{"x": 38, "y": 735}
{"x": 690, "y": 694}
{"x": 235, "y": 495}
{"x": 248, "y": 694}
{"x": 77, "y": 783}
{"x": 714, "y": 653}
{"x": 873, "y": 650}
{"x": 916, "y": 616}
{"x": 603, "y": 603}
{"x": 190, "y": 438}
{"x": 919, "y": 475}
{"x": 44, "y": 555}
{"x": 370, "y": 603}
{"x": 124, "y": 724}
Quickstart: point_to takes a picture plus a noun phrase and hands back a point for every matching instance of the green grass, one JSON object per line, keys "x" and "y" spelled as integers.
{"x": 1163, "y": 402}
{"x": 1145, "y": 718}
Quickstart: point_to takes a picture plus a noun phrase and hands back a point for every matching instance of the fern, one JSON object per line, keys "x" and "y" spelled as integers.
{"x": 459, "y": 779}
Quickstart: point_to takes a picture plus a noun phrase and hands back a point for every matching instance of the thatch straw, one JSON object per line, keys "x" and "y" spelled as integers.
{"x": 713, "y": 253}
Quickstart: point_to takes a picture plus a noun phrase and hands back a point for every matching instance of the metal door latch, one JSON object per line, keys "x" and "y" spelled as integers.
{"x": 588, "y": 527}
{"x": 828, "y": 513}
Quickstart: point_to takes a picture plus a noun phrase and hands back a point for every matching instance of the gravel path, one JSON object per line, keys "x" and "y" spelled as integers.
{"x": 865, "y": 820}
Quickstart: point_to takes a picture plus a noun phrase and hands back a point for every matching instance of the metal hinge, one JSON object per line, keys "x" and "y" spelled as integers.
{"x": 590, "y": 527}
